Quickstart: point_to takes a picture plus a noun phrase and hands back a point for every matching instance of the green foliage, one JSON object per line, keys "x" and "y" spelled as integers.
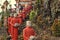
{"x": 38, "y": 4}
{"x": 57, "y": 31}
{"x": 32, "y": 15}
{"x": 8, "y": 13}
{"x": 2, "y": 20}
{"x": 38, "y": 1}
{"x": 3, "y": 15}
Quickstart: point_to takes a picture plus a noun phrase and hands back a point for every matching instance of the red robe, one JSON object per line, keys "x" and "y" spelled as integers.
{"x": 23, "y": 15}
{"x": 9, "y": 25}
{"x": 29, "y": 7}
{"x": 27, "y": 32}
{"x": 26, "y": 10}
{"x": 14, "y": 30}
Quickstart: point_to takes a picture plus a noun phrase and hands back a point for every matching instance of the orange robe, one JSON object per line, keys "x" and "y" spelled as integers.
{"x": 14, "y": 30}
{"x": 9, "y": 25}
{"x": 27, "y": 32}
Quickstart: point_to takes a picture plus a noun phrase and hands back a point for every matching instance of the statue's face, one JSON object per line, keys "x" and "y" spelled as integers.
{"x": 15, "y": 15}
{"x": 11, "y": 14}
{"x": 28, "y": 23}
